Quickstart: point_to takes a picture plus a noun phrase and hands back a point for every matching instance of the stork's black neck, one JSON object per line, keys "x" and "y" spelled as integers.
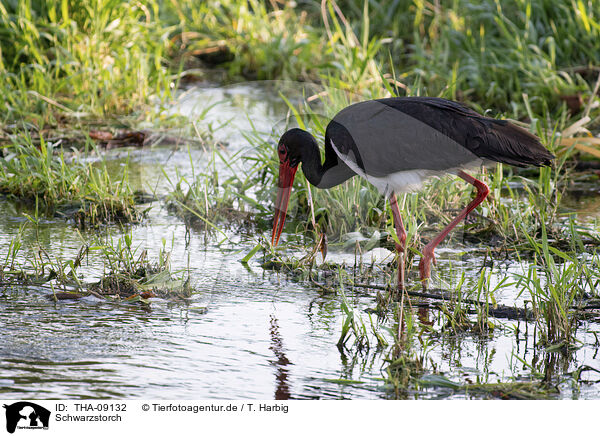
{"x": 303, "y": 146}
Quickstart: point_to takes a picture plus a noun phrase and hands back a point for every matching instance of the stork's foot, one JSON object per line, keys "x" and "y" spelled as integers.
{"x": 425, "y": 264}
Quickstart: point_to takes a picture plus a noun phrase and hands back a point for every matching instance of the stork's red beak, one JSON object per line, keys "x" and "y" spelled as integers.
{"x": 286, "y": 180}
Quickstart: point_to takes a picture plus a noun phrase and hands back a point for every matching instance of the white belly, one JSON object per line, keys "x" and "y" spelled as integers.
{"x": 402, "y": 181}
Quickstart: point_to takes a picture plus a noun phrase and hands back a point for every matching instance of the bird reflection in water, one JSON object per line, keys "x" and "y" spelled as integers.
{"x": 282, "y": 392}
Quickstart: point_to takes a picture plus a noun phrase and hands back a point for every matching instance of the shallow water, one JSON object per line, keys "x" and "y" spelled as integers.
{"x": 248, "y": 332}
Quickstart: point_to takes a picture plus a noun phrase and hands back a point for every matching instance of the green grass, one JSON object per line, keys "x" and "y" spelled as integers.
{"x": 490, "y": 52}
{"x": 64, "y": 60}
{"x": 559, "y": 282}
{"x": 486, "y": 52}
{"x": 264, "y": 42}
{"x": 53, "y": 184}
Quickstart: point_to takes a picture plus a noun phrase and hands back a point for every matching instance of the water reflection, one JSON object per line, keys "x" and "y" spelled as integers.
{"x": 282, "y": 392}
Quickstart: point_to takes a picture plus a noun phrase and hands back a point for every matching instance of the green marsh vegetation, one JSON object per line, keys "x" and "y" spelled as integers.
{"x": 71, "y": 66}
{"x": 129, "y": 274}
{"x": 53, "y": 184}
{"x": 65, "y": 61}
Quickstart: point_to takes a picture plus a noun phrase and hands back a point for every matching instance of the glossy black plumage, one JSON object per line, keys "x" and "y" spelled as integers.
{"x": 394, "y": 141}
{"x": 489, "y": 138}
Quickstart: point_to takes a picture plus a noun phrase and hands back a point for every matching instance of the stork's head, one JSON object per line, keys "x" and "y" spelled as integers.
{"x": 289, "y": 150}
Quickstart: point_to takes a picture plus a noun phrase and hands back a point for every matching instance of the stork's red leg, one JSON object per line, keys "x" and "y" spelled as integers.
{"x": 401, "y": 233}
{"x": 428, "y": 256}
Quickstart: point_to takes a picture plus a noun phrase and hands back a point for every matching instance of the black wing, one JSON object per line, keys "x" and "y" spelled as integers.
{"x": 497, "y": 140}
{"x": 422, "y": 133}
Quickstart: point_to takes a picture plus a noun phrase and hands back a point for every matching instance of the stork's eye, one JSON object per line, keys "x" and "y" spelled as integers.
{"x": 281, "y": 150}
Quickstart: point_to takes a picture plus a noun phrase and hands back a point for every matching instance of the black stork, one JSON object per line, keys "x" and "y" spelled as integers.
{"x": 396, "y": 144}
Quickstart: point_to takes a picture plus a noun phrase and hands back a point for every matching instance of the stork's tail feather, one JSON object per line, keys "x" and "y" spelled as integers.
{"x": 516, "y": 146}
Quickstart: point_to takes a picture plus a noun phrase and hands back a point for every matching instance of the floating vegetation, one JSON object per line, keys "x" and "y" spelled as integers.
{"x": 128, "y": 275}
{"x": 131, "y": 275}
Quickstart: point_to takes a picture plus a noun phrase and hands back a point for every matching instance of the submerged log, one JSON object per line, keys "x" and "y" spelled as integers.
{"x": 496, "y": 311}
